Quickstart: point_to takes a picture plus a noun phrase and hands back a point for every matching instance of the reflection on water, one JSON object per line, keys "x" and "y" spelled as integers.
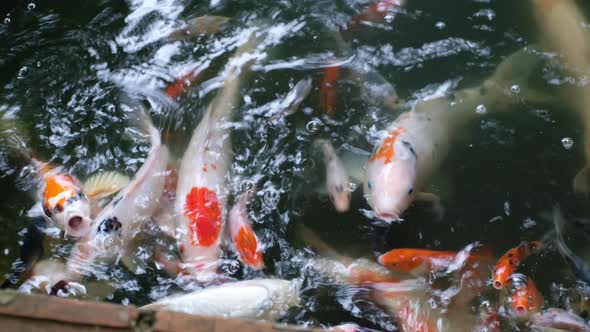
{"x": 71, "y": 71}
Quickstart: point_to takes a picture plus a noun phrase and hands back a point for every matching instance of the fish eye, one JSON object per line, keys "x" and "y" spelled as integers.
{"x": 410, "y": 191}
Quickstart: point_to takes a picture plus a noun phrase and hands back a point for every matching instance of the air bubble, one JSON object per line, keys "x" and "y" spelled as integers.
{"x": 31, "y": 6}
{"x": 352, "y": 186}
{"x": 515, "y": 88}
{"x": 6, "y": 20}
{"x": 313, "y": 126}
{"x": 440, "y": 25}
{"x": 271, "y": 198}
{"x": 567, "y": 142}
{"x": 481, "y": 109}
{"x": 247, "y": 185}
{"x": 22, "y": 72}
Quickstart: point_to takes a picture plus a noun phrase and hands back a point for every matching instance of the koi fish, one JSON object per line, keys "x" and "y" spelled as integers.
{"x": 267, "y": 299}
{"x": 62, "y": 199}
{"x": 555, "y": 20}
{"x": 580, "y": 267}
{"x": 375, "y": 13}
{"x": 526, "y": 299}
{"x": 117, "y": 224}
{"x": 418, "y": 140}
{"x": 330, "y": 79}
{"x": 244, "y": 239}
{"x": 291, "y": 102}
{"x": 419, "y": 261}
{"x": 509, "y": 262}
{"x": 344, "y": 269}
{"x": 559, "y": 319}
{"x": 196, "y": 27}
{"x": 337, "y": 181}
{"x": 201, "y": 194}
{"x": 407, "y": 302}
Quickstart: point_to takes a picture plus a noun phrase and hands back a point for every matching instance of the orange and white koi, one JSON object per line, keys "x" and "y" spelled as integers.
{"x": 420, "y": 261}
{"x": 63, "y": 200}
{"x": 337, "y": 180}
{"x": 526, "y": 299}
{"x": 418, "y": 140}
{"x": 245, "y": 241}
{"x": 509, "y": 262}
{"x": 201, "y": 194}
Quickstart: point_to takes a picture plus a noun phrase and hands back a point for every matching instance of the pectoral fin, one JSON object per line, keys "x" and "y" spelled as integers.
{"x": 104, "y": 184}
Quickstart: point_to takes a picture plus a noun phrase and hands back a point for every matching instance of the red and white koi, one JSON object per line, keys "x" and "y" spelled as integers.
{"x": 337, "y": 180}
{"x": 245, "y": 241}
{"x": 375, "y": 13}
{"x": 201, "y": 194}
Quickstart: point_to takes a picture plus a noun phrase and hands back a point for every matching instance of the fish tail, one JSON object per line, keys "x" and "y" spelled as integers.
{"x": 559, "y": 222}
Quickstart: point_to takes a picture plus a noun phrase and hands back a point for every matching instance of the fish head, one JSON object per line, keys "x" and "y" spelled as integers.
{"x": 391, "y": 178}
{"x": 400, "y": 260}
{"x": 340, "y": 196}
{"x": 74, "y": 217}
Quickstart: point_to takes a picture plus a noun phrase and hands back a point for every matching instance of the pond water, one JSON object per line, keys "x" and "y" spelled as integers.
{"x": 65, "y": 67}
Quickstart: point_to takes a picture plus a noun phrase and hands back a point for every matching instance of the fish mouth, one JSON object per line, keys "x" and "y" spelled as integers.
{"x": 520, "y": 310}
{"x": 387, "y": 216}
{"x": 75, "y": 222}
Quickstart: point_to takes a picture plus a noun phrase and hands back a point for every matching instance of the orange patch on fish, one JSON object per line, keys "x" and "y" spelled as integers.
{"x": 407, "y": 260}
{"x": 181, "y": 84}
{"x": 364, "y": 276}
{"x": 204, "y": 211}
{"x": 387, "y": 148}
{"x": 246, "y": 244}
{"x": 526, "y": 299}
{"x": 59, "y": 185}
{"x": 509, "y": 262}
{"x": 328, "y": 89}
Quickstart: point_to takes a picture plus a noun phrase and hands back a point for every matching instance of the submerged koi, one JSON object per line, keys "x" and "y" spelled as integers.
{"x": 509, "y": 262}
{"x": 337, "y": 181}
{"x": 245, "y": 240}
{"x": 328, "y": 89}
{"x": 526, "y": 299}
{"x": 375, "y": 13}
{"x": 181, "y": 84}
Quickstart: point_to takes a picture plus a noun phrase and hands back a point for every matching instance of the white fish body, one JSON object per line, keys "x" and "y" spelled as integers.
{"x": 201, "y": 194}
{"x": 116, "y": 225}
{"x": 251, "y": 299}
{"x": 337, "y": 180}
{"x": 562, "y": 30}
{"x": 418, "y": 140}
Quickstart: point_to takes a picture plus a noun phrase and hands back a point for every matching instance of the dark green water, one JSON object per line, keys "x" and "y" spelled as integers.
{"x": 63, "y": 67}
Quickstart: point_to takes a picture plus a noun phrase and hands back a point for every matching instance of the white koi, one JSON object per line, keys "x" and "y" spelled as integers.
{"x": 267, "y": 299}
{"x": 245, "y": 241}
{"x": 337, "y": 180}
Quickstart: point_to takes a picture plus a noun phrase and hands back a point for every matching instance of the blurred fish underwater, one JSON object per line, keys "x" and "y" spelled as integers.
{"x": 406, "y": 165}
